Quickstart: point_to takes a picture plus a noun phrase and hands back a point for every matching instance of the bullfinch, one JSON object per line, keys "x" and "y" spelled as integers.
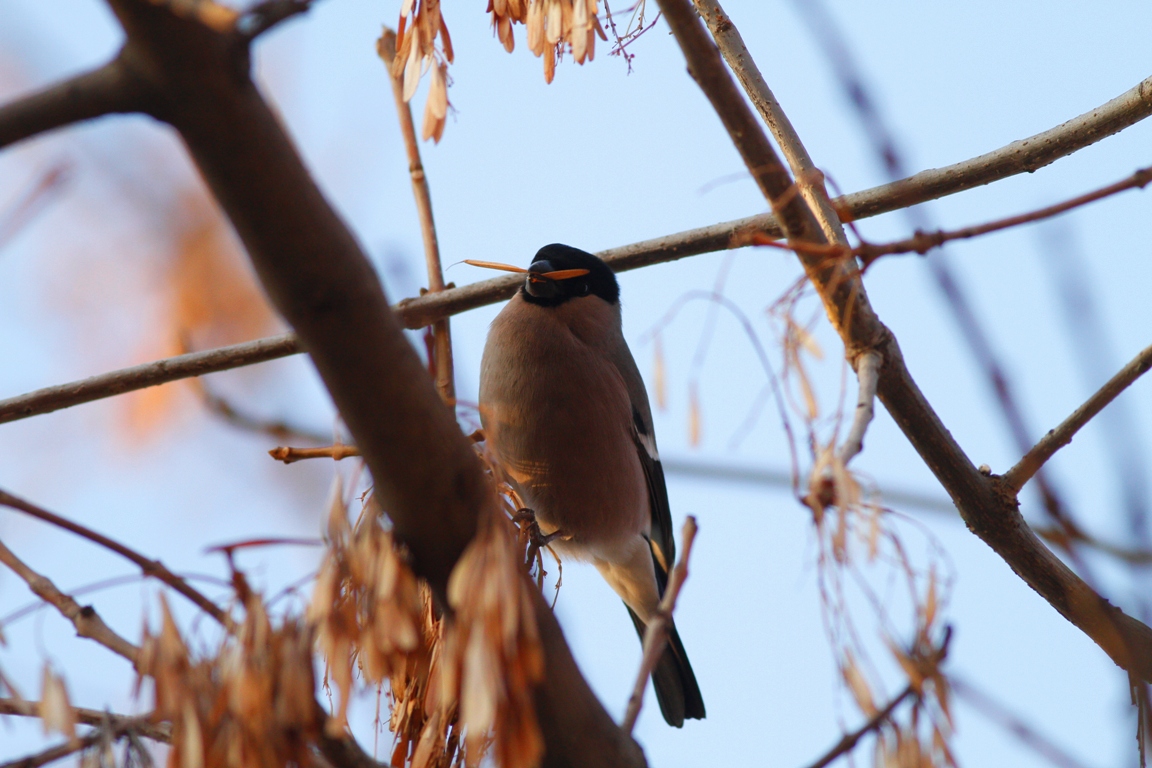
{"x": 566, "y": 417}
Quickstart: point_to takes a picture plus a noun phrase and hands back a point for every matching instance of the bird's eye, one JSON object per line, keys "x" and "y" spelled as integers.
{"x": 584, "y": 288}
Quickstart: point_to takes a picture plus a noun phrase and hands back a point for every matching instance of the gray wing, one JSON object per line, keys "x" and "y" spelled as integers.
{"x": 661, "y": 538}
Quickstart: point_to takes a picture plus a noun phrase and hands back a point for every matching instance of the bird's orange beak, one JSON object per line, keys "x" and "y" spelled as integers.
{"x": 559, "y": 274}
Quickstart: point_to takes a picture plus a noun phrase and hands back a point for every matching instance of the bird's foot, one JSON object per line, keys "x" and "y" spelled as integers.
{"x": 533, "y": 539}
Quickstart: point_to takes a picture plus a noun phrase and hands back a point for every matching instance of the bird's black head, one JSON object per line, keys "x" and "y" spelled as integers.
{"x": 599, "y": 281}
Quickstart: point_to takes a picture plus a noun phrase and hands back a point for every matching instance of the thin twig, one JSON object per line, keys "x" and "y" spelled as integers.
{"x": 808, "y": 177}
{"x": 84, "y": 618}
{"x": 72, "y": 746}
{"x": 922, "y": 242}
{"x": 442, "y": 356}
{"x": 1025, "y": 155}
{"x": 280, "y": 430}
{"x": 1060, "y": 537}
{"x": 868, "y": 372}
{"x": 153, "y": 568}
{"x": 656, "y": 632}
{"x": 1057, "y": 438}
{"x": 289, "y": 455}
{"x": 143, "y": 723}
{"x": 1025, "y": 733}
{"x": 32, "y": 201}
{"x": 848, "y": 742}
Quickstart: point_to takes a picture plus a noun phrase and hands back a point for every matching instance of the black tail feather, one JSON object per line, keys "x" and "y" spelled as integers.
{"x": 676, "y": 689}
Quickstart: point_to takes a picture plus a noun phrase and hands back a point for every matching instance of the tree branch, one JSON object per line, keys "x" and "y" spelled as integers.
{"x": 105, "y": 90}
{"x": 442, "y": 349}
{"x": 87, "y": 622}
{"x": 989, "y": 509}
{"x": 1026, "y": 155}
{"x": 849, "y": 741}
{"x": 142, "y": 723}
{"x": 1015, "y": 478}
{"x": 146, "y": 375}
{"x": 868, "y": 370}
{"x": 153, "y": 568}
{"x": 808, "y": 177}
{"x": 656, "y": 633}
{"x": 922, "y": 242}
{"x": 117, "y": 730}
{"x": 290, "y": 455}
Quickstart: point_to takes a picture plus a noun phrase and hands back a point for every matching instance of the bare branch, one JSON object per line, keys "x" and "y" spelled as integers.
{"x": 989, "y": 510}
{"x": 1015, "y": 478}
{"x": 153, "y": 568}
{"x": 87, "y": 622}
{"x": 849, "y": 741}
{"x": 142, "y": 723}
{"x": 1022, "y": 156}
{"x": 115, "y": 731}
{"x": 442, "y": 349}
{"x": 922, "y": 242}
{"x": 105, "y": 90}
{"x": 868, "y": 371}
{"x": 146, "y": 375}
{"x": 335, "y": 452}
{"x": 656, "y": 633}
{"x": 808, "y": 177}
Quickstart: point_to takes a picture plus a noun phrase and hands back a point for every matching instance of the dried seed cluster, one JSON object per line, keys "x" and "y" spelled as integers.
{"x": 552, "y": 26}
{"x": 420, "y": 24}
{"x": 460, "y": 686}
{"x": 249, "y": 706}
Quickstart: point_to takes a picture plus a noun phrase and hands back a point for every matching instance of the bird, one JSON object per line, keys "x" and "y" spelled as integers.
{"x": 566, "y": 417}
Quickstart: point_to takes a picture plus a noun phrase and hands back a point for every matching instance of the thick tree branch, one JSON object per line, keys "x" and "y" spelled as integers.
{"x": 157, "y": 732}
{"x": 106, "y": 90}
{"x": 153, "y": 568}
{"x": 989, "y": 508}
{"x": 87, "y": 622}
{"x": 425, "y": 472}
{"x": 1015, "y": 478}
